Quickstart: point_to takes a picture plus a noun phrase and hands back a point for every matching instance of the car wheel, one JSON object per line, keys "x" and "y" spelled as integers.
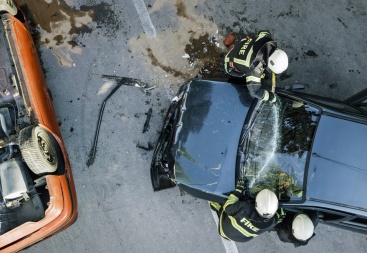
{"x": 40, "y": 150}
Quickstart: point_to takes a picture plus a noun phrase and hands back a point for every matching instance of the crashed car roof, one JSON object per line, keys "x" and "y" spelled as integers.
{"x": 337, "y": 172}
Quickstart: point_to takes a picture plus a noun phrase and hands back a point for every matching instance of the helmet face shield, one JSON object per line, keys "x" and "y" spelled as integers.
{"x": 278, "y": 61}
{"x": 266, "y": 203}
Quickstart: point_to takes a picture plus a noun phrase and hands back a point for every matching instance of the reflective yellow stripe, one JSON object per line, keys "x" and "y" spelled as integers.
{"x": 239, "y": 61}
{"x": 231, "y": 200}
{"x": 215, "y": 205}
{"x": 262, "y": 35}
{"x": 249, "y": 54}
{"x": 266, "y": 95}
{"x": 220, "y": 226}
{"x": 253, "y": 79}
{"x": 240, "y": 229}
{"x": 226, "y": 58}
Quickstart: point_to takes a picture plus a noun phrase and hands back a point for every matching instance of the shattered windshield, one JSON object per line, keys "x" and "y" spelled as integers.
{"x": 276, "y": 147}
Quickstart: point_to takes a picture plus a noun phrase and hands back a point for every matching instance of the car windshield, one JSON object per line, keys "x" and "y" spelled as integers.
{"x": 276, "y": 146}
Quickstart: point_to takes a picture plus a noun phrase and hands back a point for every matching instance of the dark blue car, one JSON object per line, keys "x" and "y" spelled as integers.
{"x": 310, "y": 150}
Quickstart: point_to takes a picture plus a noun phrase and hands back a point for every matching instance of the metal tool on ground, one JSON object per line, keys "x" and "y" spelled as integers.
{"x": 146, "y": 124}
{"x": 120, "y": 81}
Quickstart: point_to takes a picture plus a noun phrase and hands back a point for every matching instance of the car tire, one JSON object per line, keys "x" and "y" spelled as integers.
{"x": 40, "y": 150}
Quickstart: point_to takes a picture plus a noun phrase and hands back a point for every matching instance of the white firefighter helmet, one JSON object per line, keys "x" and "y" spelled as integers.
{"x": 266, "y": 203}
{"x": 302, "y": 227}
{"x": 278, "y": 61}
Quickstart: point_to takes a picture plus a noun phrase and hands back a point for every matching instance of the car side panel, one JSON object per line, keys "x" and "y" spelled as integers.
{"x": 62, "y": 209}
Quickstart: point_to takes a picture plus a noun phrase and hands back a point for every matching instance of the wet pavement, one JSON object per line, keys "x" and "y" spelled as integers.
{"x": 162, "y": 43}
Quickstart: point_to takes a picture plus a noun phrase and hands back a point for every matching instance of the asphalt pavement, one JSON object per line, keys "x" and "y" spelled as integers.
{"x": 162, "y": 43}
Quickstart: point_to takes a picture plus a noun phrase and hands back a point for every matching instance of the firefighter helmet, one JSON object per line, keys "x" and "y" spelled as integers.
{"x": 278, "y": 61}
{"x": 266, "y": 203}
{"x": 302, "y": 227}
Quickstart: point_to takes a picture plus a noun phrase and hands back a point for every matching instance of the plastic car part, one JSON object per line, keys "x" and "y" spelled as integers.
{"x": 158, "y": 169}
{"x": 158, "y": 176}
{"x": 15, "y": 182}
{"x": 20, "y": 201}
{"x": 160, "y": 180}
{"x": 40, "y": 150}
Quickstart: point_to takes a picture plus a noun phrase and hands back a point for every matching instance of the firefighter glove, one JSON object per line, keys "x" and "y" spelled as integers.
{"x": 240, "y": 187}
{"x": 273, "y": 98}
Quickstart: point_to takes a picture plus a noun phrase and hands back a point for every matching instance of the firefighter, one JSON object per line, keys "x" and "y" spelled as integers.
{"x": 249, "y": 58}
{"x": 298, "y": 228}
{"x": 241, "y": 220}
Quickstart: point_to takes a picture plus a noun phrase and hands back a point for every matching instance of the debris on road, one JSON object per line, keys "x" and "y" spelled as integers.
{"x": 146, "y": 124}
{"x": 126, "y": 81}
{"x": 149, "y": 148}
{"x": 120, "y": 81}
{"x": 150, "y": 88}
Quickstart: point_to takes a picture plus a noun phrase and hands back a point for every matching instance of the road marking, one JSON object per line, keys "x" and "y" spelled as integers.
{"x": 145, "y": 18}
{"x": 229, "y": 246}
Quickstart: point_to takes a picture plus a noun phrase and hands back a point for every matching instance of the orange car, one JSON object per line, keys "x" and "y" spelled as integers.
{"x": 37, "y": 192}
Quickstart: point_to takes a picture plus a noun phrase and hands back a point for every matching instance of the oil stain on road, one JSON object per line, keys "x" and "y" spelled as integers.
{"x": 189, "y": 49}
{"x": 58, "y": 25}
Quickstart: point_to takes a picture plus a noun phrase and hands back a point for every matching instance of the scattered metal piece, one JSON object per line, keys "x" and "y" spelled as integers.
{"x": 149, "y": 148}
{"x": 120, "y": 81}
{"x": 131, "y": 82}
{"x": 126, "y": 80}
{"x": 150, "y": 88}
{"x": 146, "y": 124}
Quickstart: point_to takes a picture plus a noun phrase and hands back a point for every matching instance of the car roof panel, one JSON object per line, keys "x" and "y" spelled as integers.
{"x": 338, "y": 167}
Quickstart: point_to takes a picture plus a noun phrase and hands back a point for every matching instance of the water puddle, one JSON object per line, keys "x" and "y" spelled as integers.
{"x": 57, "y": 25}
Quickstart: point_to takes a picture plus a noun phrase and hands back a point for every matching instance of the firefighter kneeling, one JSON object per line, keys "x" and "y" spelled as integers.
{"x": 241, "y": 220}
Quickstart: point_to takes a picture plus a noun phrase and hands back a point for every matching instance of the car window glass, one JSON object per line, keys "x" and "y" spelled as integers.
{"x": 363, "y": 106}
{"x": 277, "y": 148}
{"x": 329, "y": 215}
{"x": 340, "y": 106}
{"x": 359, "y": 222}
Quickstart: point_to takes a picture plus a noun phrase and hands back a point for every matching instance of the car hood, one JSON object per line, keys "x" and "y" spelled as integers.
{"x": 338, "y": 167}
{"x": 211, "y": 118}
